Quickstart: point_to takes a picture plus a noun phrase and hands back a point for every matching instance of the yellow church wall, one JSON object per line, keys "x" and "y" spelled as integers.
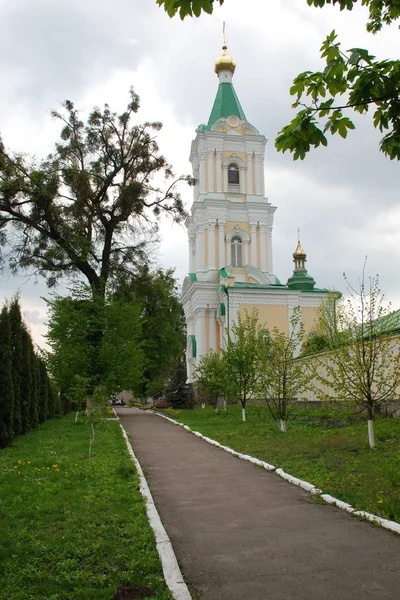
{"x": 258, "y": 251}
{"x": 206, "y": 172}
{"x": 269, "y": 316}
{"x": 229, "y": 154}
{"x": 223, "y": 128}
{"x": 229, "y": 225}
{"x": 218, "y": 334}
{"x": 242, "y": 130}
{"x": 309, "y": 318}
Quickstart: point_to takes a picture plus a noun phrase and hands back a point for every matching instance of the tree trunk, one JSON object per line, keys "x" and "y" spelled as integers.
{"x": 282, "y": 425}
{"x": 96, "y": 332}
{"x": 203, "y": 405}
{"x": 243, "y": 414}
{"x": 371, "y": 436}
{"x": 224, "y": 405}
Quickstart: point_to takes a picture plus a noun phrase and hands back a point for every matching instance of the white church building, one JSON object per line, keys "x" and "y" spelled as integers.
{"x": 230, "y": 233}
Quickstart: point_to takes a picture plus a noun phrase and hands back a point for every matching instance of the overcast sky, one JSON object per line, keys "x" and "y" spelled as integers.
{"x": 344, "y": 198}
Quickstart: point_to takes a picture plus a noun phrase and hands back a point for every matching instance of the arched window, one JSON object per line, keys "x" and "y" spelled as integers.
{"x": 233, "y": 175}
{"x": 236, "y": 251}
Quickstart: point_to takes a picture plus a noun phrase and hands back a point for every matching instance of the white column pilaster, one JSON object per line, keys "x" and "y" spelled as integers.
{"x": 221, "y": 244}
{"x": 202, "y": 173}
{"x": 219, "y": 171}
{"x": 192, "y": 242}
{"x": 242, "y": 175}
{"x": 257, "y": 165}
{"x": 211, "y": 245}
{"x": 245, "y": 254}
{"x": 270, "y": 263}
{"x": 253, "y": 244}
{"x": 263, "y": 248}
{"x": 212, "y": 315}
{"x": 249, "y": 174}
{"x": 262, "y": 177}
{"x": 210, "y": 158}
{"x": 200, "y": 328}
{"x": 225, "y": 177}
{"x": 200, "y": 250}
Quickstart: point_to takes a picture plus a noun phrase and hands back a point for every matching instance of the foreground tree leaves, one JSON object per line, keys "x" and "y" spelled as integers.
{"x": 362, "y": 82}
{"x": 188, "y": 8}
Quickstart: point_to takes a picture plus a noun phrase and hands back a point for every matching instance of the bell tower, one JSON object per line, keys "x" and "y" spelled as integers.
{"x": 230, "y": 222}
{"x": 230, "y": 225}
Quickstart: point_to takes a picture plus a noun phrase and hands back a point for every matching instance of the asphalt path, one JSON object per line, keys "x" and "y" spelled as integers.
{"x": 241, "y": 533}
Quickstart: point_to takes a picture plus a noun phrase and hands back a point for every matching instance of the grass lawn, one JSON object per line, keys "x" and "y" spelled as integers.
{"x": 336, "y": 459}
{"x": 73, "y": 527}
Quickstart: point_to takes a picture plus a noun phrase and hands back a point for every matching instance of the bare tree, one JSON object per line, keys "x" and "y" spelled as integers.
{"x": 362, "y": 367}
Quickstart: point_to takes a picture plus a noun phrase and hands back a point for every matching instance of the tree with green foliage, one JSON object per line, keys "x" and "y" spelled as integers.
{"x": 362, "y": 81}
{"x": 6, "y": 380}
{"x": 362, "y": 368}
{"x": 121, "y": 359}
{"x": 16, "y": 325}
{"x": 352, "y": 80}
{"x": 27, "y": 412}
{"x": 30, "y": 398}
{"x": 162, "y": 324}
{"x": 211, "y": 377}
{"x": 314, "y": 343}
{"x": 242, "y": 354}
{"x": 281, "y": 376}
{"x": 43, "y": 391}
{"x": 178, "y": 393}
{"x": 34, "y": 398}
{"x": 91, "y": 209}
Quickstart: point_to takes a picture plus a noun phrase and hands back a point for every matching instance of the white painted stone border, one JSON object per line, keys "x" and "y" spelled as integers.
{"x": 305, "y": 485}
{"x": 172, "y": 573}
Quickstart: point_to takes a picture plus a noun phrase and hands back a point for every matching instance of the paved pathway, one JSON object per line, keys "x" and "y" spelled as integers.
{"x": 241, "y": 533}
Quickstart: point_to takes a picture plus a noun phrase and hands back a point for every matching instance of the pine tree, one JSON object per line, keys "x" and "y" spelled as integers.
{"x": 178, "y": 393}
{"x": 26, "y": 380}
{"x": 43, "y": 392}
{"x": 16, "y": 341}
{"x": 34, "y": 392}
{"x": 6, "y": 382}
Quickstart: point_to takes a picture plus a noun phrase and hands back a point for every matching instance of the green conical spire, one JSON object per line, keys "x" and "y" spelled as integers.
{"x": 226, "y": 103}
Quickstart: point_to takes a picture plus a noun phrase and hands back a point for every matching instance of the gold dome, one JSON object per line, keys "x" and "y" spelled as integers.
{"x": 299, "y": 252}
{"x": 225, "y": 62}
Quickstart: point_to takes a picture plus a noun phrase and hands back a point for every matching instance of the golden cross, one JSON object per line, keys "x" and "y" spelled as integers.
{"x": 298, "y": 235}
{"x": 223, "y": 33}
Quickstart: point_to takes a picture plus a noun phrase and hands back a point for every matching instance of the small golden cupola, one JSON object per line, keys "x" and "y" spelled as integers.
{"x": 299, "y": 255}
{"x": 225, "y": 62}
{"x": 300, "y": 280}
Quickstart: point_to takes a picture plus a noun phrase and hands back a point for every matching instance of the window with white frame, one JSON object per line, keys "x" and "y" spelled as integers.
{"x": 237, "y": 251}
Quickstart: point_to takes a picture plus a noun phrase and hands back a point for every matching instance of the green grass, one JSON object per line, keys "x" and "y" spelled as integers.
{"x": 73, "y": 527}
{"x": 336, "y": 459}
